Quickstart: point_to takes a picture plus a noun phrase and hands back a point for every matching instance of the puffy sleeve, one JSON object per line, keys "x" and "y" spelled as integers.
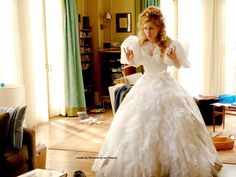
{"x": 180, "y": 54}
{"x": 132, "y": 42}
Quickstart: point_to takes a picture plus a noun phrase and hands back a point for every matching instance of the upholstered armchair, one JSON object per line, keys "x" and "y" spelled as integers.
{"x": 16, "y": 161}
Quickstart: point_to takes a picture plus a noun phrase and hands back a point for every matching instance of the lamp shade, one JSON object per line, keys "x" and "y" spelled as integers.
{"x": 108, "y": 16}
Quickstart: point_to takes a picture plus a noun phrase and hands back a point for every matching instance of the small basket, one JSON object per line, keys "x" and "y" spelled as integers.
{"x": 223, "y": 143}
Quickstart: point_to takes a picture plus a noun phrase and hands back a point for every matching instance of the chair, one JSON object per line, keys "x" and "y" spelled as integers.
{"x": 14, "y": 162}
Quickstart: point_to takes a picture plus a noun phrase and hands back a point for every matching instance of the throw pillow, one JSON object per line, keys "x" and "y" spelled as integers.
{"x": 4, "y": 127}
{"x": 16, "y": 124}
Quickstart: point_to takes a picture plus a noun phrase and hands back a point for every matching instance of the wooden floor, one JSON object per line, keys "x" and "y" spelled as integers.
{"x": 72, "y": 145}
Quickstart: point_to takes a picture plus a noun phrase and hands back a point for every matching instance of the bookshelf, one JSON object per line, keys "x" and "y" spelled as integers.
{"x": 86, "y": 52}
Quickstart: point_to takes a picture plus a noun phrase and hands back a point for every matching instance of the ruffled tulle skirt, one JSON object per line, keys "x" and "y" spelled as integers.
{"x": 157, "y": 131}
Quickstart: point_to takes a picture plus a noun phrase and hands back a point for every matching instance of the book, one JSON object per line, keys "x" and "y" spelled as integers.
{"x": 44, "y": 173}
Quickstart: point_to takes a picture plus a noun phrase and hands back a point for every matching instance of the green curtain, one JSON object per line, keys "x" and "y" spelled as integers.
{"x": 74, "y": 86}
{"x": 151, "y": 3}
{"x": 140, "y": 6}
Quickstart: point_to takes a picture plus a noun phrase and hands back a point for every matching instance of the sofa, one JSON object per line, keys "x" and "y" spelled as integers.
{"x": 16, "y": 161}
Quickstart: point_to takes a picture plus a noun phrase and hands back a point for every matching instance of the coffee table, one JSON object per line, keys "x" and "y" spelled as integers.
{"x": 44, "y": 173}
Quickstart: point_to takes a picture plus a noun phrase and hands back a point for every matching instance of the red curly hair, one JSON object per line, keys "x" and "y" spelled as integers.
{"x": 153, "y": 14}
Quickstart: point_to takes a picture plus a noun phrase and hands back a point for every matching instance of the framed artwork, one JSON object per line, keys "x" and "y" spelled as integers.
{"x": 123, "y": 23}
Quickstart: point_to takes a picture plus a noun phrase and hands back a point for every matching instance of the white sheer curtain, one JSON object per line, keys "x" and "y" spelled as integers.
{"x": 32, "y": 54}
{"x": 10, "y": 56}
{"x": 216, "y": 82}
{"x": 205, "y": 26}
{"x": 193, "y": 23}
{"x": 170, "y": 12}
{"x": 43, "y": 57}
{"x": 230, "y": 67}
{"x": 55, "y": 53}
{"x": 34, "y": 59}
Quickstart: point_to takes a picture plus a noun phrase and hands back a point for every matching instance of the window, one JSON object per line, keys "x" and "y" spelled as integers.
{"x": 9, "y": 46}
{"x": 208, "y": 28}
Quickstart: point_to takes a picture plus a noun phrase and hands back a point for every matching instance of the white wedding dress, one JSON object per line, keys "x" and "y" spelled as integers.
{"x": 158, "y": 130}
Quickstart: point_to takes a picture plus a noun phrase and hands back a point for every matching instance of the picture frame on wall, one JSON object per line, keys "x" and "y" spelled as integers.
{"x": 123, "y": 23}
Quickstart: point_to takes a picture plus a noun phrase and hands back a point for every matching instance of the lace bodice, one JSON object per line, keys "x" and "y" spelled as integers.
{"x": 152, "y": 63}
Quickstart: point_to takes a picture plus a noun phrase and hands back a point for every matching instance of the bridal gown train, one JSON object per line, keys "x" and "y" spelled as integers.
{"x": 158, "y": 130}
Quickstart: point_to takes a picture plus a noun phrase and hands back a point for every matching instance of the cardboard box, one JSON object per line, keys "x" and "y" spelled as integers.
{"x": 41, "y": 154}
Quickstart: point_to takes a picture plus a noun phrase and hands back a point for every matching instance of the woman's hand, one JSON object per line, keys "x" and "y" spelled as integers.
{"x": 171, "y": 53}
{"x": 129, "y": 53}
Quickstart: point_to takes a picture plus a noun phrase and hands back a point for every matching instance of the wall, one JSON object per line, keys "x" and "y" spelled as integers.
{"x": 12, "y": 96}
{"x": 121, "y": 6}
{"x": 96, "y": 9}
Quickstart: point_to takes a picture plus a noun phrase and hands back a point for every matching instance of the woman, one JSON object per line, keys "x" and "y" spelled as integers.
{"x": 158, "y": 129}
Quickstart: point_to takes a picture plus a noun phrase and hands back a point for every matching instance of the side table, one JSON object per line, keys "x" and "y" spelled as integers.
{"x": 206, "y": 109}
{"x": 220, "y": 110}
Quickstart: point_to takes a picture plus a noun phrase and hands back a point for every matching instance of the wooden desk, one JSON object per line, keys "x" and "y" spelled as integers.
{"x": 109, "y": 50}
{"x": 110, "y": 68}
{"x": 220, "y": 110}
